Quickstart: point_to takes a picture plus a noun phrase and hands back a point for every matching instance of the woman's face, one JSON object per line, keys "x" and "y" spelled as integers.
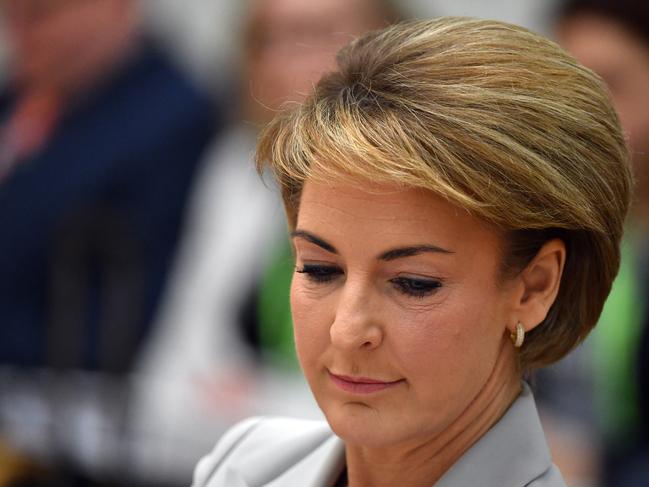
{"x": 398, "y": 311}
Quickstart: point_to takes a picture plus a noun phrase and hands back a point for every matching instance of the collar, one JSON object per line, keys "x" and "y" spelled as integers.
{"x": 512, "y": 453}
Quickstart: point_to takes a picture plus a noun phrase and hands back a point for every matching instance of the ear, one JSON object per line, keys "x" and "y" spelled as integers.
{"x": 539, "y": 284}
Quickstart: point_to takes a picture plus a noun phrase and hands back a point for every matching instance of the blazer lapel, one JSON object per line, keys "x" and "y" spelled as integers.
{"x": 313, "y": 459}
{"x": 319, "y": 469}
{"x": 511, "y": 454}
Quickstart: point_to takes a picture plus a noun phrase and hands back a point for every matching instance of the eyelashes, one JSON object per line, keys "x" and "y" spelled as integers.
{"x": 417, "y": 287}
{"x": 320, "y": 273}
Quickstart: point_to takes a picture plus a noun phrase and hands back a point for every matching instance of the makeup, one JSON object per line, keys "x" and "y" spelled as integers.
{"x": 361, "y": 385}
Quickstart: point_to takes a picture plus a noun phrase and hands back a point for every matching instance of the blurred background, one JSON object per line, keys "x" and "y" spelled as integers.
{"x": 144, "y": 267}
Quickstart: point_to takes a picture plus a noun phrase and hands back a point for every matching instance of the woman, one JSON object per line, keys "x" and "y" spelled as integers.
{"x": 456, "y": 193}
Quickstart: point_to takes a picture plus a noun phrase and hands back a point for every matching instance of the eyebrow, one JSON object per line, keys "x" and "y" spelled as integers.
{"x": 389, "y": 255}
{"x": 401, "y": 252}
{"x": 309, "y": 237}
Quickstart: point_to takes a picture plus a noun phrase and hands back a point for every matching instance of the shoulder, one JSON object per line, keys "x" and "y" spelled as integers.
{"x": 261, "y": 447}
{"x": 512, "y": 453}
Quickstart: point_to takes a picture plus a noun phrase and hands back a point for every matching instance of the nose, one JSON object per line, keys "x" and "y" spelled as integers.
{"x": 356, "y": 325}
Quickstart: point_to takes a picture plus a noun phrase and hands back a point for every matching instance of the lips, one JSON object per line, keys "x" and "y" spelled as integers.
{"x": 361, "y": 385}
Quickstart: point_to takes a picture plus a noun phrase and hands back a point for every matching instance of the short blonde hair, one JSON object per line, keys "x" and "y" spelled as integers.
{"x": 500, "y": 121}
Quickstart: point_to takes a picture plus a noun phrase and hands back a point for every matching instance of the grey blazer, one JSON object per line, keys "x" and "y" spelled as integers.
{"x": 277, "y": 452}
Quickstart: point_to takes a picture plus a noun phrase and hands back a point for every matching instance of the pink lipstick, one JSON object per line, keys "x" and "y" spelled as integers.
{"x": 361, "y": 385}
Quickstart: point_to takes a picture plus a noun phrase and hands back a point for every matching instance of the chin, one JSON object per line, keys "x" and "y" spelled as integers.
{"x": 359, "y": 424}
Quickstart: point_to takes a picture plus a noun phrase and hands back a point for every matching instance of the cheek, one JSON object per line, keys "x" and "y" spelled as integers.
{"x": 310, "y": 324}
{"x": 426, "y": 341}
{"x": 451, "y": 340}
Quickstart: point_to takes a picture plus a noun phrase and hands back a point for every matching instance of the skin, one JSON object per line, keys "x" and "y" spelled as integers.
{"x": 432, "y": 323}
{"x": 621, "y": 58}
{"x": 60, "y": 49}
{"x": 294, "y": 43}
{"x": 65, "y": 46}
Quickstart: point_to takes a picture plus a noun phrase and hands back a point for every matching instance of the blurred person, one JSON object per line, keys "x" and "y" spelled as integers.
{"x": 612, "y": 38}
{"x": 288, "y": 44}
{"x": 99, "y": 139}
{"x": 51, "y": 67}
{"x": 199, "y": 375}
{"x": 420, "y": 300}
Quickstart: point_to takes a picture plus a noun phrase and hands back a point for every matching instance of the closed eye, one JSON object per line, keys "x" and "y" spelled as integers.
{"x": 416, "y": 286}
{"x": 320, "y": 273}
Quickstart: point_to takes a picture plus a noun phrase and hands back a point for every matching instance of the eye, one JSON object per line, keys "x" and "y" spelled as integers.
{"x": 320, "y": 273}
{"x": 416, "y": 287}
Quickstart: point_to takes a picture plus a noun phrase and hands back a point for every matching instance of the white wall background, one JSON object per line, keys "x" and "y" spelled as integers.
{"x": 533, "y": 14}
{"x": 203, "y": 33}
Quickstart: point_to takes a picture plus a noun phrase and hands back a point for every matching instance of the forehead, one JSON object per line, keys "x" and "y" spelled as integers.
{"x": 383, "y": 215}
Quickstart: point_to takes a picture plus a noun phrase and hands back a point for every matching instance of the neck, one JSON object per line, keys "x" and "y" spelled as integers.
{"x": 424, "y": 464}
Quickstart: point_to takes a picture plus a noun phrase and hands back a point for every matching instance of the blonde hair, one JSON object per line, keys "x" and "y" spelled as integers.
{"x": 498, "y": 120}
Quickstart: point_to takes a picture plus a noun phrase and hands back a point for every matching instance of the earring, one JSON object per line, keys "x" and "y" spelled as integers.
{"x": 518, "y": 337}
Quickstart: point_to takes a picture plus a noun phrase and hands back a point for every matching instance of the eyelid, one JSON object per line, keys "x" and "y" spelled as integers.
{"x": 319, "y": 273}
{"x": 312, "y": 256}
{"x": 416, "y": 286}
